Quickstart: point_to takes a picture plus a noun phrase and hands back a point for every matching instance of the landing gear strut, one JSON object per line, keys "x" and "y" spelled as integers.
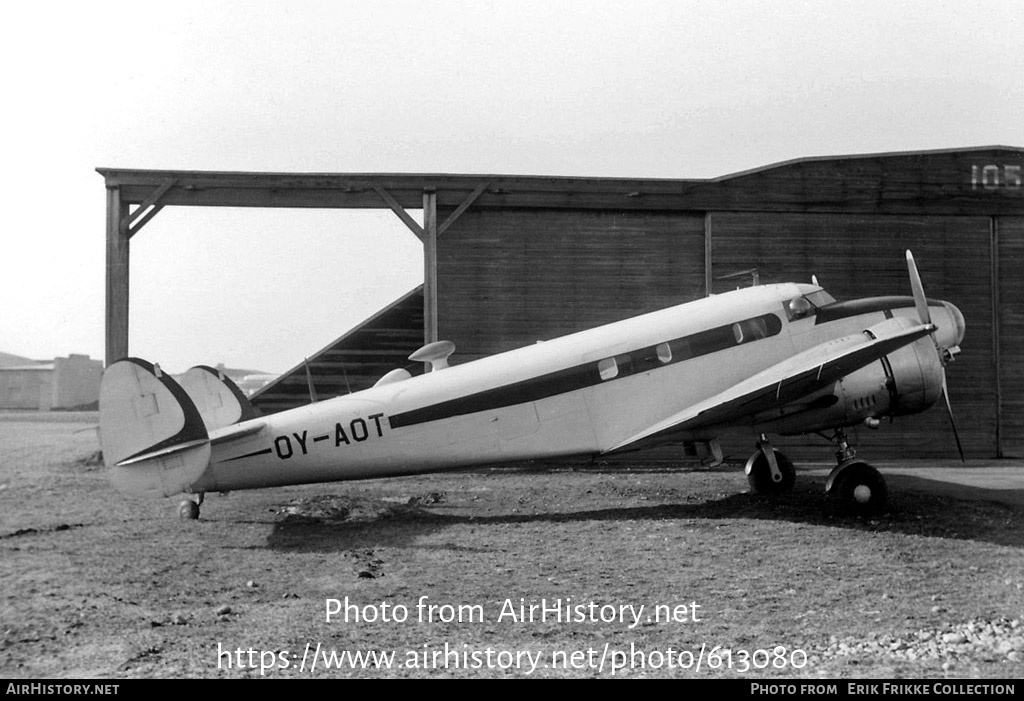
{"x": 857, "y": 487}
{"x": 769, "y": 471}
{"x": 188, "y": 509}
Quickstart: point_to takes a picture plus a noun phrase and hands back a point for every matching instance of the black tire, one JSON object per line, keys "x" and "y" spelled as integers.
{"x": 759, "y": 474}
{"x": 860, "y": 489}
{"x": 188, "y": 510}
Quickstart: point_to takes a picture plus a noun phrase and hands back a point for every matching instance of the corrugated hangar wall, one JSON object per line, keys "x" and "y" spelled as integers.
{"x": 862, "y": 256}
{"x": 510, "y": 277}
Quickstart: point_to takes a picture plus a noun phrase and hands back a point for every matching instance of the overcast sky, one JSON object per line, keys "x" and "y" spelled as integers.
{"x": 589, "y": 88}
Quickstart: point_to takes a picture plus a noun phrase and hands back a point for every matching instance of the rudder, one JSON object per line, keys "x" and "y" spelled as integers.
{"x": 218, "y": 399}
{"x": 153, "y": 438}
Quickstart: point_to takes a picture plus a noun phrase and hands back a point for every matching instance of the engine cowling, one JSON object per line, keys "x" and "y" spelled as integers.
{"x": 916, "y": 378}
{"x": 907, "y": 381}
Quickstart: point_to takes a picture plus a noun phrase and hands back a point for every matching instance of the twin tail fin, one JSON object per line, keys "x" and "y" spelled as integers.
{"x": 155, "y": 432}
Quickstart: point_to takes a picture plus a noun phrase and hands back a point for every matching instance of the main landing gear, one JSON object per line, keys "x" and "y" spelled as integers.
{"x": 857, "y": 487}
{"x": 188, "y": 509}
{"x": 768, "y": 471}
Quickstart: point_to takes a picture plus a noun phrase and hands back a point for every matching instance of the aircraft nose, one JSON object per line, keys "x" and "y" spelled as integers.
{"x": 959, "y": 325}
{"x": 953, "y": 334}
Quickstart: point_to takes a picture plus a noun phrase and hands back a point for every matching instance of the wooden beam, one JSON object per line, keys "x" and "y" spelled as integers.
{"x": 927, "y": 183}
{"x": 429, "y": 266}
{"x": 462, "y": 207}
{"x": 144, "y": 220}
{"x": 398, "y": 209}
{"x": 116, "y": 278}
{"x": 150, "y": 201}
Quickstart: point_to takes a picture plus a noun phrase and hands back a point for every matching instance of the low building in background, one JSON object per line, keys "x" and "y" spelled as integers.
{"x": 62, "y": 383}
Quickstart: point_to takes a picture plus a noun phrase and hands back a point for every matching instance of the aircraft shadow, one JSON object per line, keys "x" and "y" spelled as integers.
{"x": 976, "y": 514}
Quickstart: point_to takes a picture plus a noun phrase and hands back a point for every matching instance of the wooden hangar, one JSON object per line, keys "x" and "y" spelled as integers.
{"x": 510, "y": 260}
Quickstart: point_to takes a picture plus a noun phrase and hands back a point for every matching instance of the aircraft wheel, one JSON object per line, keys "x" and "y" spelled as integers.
{"x": 188, "y": 510}
{"x": 859, "y": 489}
{"x": 759, "y": 473}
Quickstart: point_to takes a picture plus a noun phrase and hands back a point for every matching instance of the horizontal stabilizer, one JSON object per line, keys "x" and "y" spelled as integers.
{"x": 226, "y": 435}
{"x": 217, "y": 397}
{"x": 153, "y": 438}
{"x": 162, "y": 452}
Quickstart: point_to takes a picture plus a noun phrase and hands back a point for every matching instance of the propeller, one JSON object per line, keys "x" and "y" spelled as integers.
{"x": 952, "y": 421}
{"x": 921, "y": 303}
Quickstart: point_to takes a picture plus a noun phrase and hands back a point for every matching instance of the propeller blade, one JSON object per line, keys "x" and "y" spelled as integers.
{"x": 915, "y": 285}
{"x": 921, "y": 304}
{"x": 952, "y": 421}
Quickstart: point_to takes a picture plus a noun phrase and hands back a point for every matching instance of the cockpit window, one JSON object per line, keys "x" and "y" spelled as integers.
{"x": 807, "y": 305}
{"x": 821, "y": 298}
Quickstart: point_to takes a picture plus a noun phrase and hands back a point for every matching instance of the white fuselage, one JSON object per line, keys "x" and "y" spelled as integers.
{"x": 575, "y": 395}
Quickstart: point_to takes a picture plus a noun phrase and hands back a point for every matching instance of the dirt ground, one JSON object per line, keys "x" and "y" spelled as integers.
{"x": 439, "y": 574}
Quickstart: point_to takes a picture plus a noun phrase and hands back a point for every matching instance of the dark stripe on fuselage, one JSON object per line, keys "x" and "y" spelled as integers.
{"x": 265, "y": 451}
{"x": 868, "y": 305}
{"x": 589, "y": 374}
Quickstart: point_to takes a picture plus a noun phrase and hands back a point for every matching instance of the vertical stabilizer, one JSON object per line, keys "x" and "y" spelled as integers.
{"x": 219, "y": 400}
{"x": 153, "y": 438}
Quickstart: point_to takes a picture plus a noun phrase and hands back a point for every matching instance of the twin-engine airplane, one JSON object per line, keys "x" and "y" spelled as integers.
{"x": 782, "y": 358}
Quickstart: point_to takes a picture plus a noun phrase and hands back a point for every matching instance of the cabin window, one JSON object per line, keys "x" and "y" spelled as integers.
{"x": 679, "y": 348}
{"x": 711, "y": 341}
{"x": 750, "y": 330}
{"x": 607, "y": 368}
{"x": 755, "y": 329}
{"x": 695, "y": 345}
{"x": 664, "y": 351}
{"x": 624, "y": 363}
{"x": 644, "y": 359}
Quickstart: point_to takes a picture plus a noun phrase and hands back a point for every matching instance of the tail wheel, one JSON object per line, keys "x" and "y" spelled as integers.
{"x": 859, "y": 489}
{"x": 188, "y": 510}
{"x": 759, "y": 473}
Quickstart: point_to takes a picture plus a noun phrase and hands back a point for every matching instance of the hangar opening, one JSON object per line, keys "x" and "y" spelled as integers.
{"x": 262, "y": 288}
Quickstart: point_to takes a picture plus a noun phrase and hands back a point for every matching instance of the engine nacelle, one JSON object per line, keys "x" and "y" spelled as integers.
{"x": 907, "y": 381}
{"x": 916, "y": 381}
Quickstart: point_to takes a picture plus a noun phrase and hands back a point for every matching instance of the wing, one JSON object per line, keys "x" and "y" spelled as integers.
{"x": 789, "y": 380}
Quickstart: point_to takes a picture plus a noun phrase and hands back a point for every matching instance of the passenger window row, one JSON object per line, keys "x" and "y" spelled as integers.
{"x": 692, "y": 346}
